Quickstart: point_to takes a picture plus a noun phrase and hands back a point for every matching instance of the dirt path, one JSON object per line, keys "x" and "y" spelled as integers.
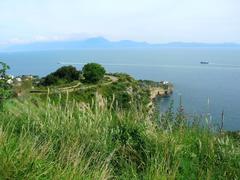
{"x": 74, "y": 88}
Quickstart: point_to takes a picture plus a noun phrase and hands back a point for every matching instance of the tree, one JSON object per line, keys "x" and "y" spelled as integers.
{"x": 5, "y": 87}
{"x": 93, "y": 72}
{"x": 50, "y": 80}
{"x": 68, "y": 73}
{"x": 63, "y": 74}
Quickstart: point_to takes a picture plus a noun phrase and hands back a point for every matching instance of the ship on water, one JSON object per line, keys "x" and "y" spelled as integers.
{"x": 204, "y": 62}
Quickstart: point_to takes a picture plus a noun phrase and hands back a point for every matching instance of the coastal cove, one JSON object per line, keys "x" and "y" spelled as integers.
{"x": 204, "y": 88}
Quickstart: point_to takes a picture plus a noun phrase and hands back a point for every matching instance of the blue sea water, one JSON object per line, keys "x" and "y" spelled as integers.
{"x": 213, "y": 87}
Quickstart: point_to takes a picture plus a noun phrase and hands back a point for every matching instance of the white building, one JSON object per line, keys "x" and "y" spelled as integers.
{"x": 9, "y": 81}
{"x": 165, "y": 82}
{"x": 18, "y": 79}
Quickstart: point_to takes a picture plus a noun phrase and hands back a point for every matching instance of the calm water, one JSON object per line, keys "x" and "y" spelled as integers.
{"x": 219, "y": 81}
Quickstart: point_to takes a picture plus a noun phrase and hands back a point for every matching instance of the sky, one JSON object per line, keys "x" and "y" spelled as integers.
{"x": 154, "y": 21}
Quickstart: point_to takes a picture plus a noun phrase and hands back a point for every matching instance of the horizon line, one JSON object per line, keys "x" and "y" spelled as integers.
{"x": 16, "y": 41}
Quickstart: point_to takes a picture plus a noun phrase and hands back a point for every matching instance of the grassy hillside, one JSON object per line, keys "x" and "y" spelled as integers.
{"x": 119, "y": 89}
{"x": 47, "y": 140}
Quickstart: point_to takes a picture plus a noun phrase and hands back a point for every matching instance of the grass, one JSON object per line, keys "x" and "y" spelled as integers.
{"x": 48, "y": 140}
{"x": 125, "y": 90}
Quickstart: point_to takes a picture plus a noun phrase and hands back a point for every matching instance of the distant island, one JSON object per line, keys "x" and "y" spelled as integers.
{"x": 103, "y": 43}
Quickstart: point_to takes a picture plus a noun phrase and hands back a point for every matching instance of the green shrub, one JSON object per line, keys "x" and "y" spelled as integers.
{"x": 65, "y": 74}
{"x": 93, "y": 72}
{"x": 5, "y": 87}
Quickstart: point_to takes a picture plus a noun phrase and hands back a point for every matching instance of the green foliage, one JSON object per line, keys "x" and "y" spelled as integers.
{"x": 48, "y": 140}
{"x": 126, "y": 92}
{"x": 78, "y": 135}
{"x": 117, "y": 94}
{"x": 149, "y": 83}
{"x": 3, "y": 70}
{"x": 50, "y": 80}
{"x": 63, "y": 75}
{"x": 5, "y": 88}
{"x": 93, "y": 72}
{"x": 123, "y": 77}
{"x": 69, "y": 73}
{"x": 120, "y": 91}
{"x": 132, "y": 145}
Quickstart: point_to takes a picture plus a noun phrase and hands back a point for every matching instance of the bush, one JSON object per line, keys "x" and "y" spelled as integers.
{"x": 5, "y": 87}
{"x": 50, "y": 80}
{"x": 93, "y": 72}
{"x": 63, "y": 74}
{"x": 68, "y": 73}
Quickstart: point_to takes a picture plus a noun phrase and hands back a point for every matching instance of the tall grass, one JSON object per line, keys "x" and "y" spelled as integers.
{"x": 46, "y": 140}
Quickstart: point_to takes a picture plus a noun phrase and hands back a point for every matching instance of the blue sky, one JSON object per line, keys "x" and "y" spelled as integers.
{"x": 143, "y": 20}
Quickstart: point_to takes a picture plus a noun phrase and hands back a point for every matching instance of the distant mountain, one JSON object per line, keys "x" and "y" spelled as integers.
{"x": 92, "y": 43}
{"x": 102, "y": 43}
{"x": 198, "y": 45}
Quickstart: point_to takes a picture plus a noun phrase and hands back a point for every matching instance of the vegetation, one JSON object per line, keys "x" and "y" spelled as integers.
{"x": 125, "y": 92}
{"x": 93, "y": 72}
{"x": 120, "y": 92}
{"x": 5, "y": 87}
{"x": 46, "y": 140}
{"x": 104, "y": 131}
{"x": 65, "y": 74}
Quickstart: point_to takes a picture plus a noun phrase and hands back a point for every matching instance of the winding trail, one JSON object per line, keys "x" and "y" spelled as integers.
{"x": 74, "y": 88}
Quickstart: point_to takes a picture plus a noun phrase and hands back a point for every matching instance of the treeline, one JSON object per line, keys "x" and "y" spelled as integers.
{"x": 91, "y": 73}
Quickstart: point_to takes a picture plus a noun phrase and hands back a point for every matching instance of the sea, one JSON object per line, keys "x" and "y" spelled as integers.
{"x": 204, "y": 88}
